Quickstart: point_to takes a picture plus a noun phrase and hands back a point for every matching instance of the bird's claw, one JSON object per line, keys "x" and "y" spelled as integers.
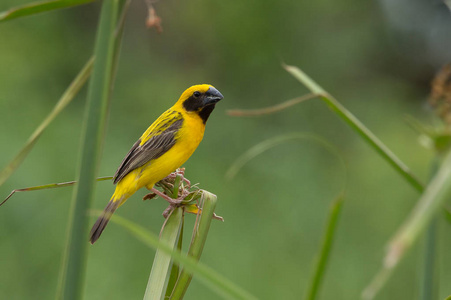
{"x": 171, "y": 201}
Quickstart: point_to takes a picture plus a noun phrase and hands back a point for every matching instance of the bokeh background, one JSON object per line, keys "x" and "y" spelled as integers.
{"x": 376, "y": 57}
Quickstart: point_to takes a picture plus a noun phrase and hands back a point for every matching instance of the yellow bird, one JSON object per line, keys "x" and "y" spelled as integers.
{"x": 164, "y": 147}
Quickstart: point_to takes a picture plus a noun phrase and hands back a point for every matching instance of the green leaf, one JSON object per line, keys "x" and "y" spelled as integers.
{"x": 200, "y": 232}
{"x": 71, "y": 284}
{"x": 39, "y": 7}
{"x": 159, "y": 275}
{"x": 65, "y": 99}
{"x": 215, "y": 281}
{"x": 321, "y": 261}
{"x": 175, "y": 272}
{"x": 355, "y": 124}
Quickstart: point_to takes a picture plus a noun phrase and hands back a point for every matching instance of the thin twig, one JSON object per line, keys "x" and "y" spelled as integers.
{"x": 49, "y": 186}
{"x": 271, "y": 109}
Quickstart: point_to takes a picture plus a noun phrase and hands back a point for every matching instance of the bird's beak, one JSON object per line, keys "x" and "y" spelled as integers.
{"x": 212, "y": 96}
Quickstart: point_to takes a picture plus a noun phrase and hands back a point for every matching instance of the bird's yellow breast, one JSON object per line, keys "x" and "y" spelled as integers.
{"x": 187, "y": 140}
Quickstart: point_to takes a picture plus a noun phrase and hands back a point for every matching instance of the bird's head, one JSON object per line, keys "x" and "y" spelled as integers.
{"x": 200, "y": 99}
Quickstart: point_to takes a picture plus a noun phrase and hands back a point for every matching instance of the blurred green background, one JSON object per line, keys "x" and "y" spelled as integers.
{"x": 376, "y": 57}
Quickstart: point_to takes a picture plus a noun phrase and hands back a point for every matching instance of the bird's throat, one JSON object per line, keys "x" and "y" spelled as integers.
{"x": 205, "y": 112}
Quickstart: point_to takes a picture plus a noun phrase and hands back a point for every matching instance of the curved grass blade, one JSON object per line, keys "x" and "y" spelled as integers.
{"x": 215, "y": 281}
{"x": 355, "y": 124}
{"x": 271, "y": 109}
{"x": 323, "y": 257}
{"x": 39, "y": 7}
{"x": 48, "y": 186}
{"x": 200, "y": 232}
{"x": 71, "y": 285}
{"x": 65, "y": 99}
{"x": 160, "y": 273}
{"x": 434, "y": 196}
{"x": 272, "y": 142}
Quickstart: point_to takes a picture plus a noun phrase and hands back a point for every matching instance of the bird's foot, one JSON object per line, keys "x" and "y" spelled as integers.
{"x": 171, "y": 201}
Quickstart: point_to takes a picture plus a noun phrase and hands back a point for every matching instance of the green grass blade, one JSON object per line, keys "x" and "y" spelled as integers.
{"x": 355, "y": 124}
{"x": 215, "y": 281}
{"x": 159, "y": 275}
{"x": 74, "y": 264}
{"x": 65, "y": 99}
{"x": 434, "y": 196}
{"x": 208, "y": 204}
{"x": 321, "y": 262}
{"x": 39, "y": 7}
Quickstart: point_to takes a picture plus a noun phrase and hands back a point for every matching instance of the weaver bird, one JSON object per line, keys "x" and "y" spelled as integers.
{"x": 163, "y": 147}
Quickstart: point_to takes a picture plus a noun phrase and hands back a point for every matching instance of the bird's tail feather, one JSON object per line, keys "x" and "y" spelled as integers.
{"x": 102, "y": 221}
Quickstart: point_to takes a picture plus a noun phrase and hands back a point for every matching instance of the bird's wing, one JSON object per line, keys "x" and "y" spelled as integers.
{"x": 158, "y": 139}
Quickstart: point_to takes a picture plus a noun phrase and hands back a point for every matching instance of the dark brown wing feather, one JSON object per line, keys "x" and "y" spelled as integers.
{"x": 155, "y": 147}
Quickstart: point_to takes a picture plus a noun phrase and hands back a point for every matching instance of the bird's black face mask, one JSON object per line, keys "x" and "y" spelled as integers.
{"x": 203, "y": 103}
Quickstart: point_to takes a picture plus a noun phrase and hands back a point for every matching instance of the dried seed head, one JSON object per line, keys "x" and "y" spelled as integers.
{"x": 440, "y": 97}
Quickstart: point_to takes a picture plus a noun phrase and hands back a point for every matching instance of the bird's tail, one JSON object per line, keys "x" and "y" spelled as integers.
{"x": 104, "y": 218}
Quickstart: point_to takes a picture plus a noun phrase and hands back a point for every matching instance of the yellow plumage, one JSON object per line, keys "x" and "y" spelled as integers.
{"x": 164, "y": 147}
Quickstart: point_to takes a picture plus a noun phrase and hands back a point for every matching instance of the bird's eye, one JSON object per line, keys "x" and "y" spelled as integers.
{"x": 196, "y": 94}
